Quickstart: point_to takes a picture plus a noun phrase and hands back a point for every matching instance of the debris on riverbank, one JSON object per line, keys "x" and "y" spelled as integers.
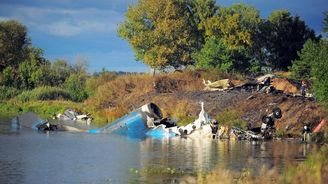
{"x": 72, "y": 115}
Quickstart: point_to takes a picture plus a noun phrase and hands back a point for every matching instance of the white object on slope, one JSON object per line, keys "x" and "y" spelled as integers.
{"x": 198, "y": 123}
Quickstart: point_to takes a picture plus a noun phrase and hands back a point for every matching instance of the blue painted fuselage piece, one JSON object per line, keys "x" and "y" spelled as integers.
{"x": 131, "y": 125}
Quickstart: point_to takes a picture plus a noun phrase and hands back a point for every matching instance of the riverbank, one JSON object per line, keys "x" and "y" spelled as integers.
{"x": 179, "y": 96}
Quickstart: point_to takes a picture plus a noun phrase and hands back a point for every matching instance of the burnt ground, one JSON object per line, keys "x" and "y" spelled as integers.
{"x": 297, "y": 111}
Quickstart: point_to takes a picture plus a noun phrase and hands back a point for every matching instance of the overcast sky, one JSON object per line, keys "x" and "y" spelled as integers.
{"x": 70, "y": 29}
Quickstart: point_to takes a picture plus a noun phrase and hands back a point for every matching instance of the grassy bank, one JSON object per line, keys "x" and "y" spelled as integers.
{"x": 44, "y": 109}
{"x": 178, "y": 95}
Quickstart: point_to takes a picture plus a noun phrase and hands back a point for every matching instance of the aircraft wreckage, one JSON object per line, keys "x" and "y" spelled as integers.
{"x": 148, "y": 121}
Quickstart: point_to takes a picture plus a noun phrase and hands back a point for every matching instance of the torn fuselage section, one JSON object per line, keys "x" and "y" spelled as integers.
{"x": 148, "y": 121}
{"x": 135, "y": 124}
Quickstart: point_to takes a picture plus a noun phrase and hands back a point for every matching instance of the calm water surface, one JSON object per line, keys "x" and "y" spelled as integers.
{"x": 28, "y": 156}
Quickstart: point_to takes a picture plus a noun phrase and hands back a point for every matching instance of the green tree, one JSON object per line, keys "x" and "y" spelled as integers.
{"x": 285, "y": 36}
{"x": 75, "y": 84}
{"x": 162, "y": 33}
{"x": 319, "y": 71}
{"x": 30, "y": 73}
{"x": 60, "y": 71}
{"x": 235, "y": 24}
{"x": 301, "y": 68}
{"x": 8, "y": 77}
{"x": 214, "y": 54}
{"x": 235, "y": 27}
{"x": 203, "y": 10}
{"x": 13, "y": 43}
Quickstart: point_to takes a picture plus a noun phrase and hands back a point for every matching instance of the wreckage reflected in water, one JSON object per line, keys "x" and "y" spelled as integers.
{"x": 194, "y": 156}
{"x": 148, "y": 121}
{"x": 61, "y": 157}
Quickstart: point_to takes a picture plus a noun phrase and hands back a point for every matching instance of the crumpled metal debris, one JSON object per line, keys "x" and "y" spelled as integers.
{"x": 220, "y": 85}
{"x": 72, "y": 115}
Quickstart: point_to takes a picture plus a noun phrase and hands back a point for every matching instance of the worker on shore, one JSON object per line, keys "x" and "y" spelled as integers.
{"x": 306, "y": 134}
{"x": 303, "y": 88}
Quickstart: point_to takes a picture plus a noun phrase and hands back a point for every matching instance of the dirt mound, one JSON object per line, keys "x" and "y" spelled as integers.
{"x": 285, "y": 85}
{"x": 296, "y": 111}
{"x": 168, "y": 85}
{"x": 179, "y": 94}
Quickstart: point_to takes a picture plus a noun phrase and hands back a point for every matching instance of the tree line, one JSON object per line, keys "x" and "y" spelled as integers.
{"x": 23, "y": 67}
{"x": 180, "y": 33}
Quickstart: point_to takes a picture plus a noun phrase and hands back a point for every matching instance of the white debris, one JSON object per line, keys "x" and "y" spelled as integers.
{"x": 202, "y": 120}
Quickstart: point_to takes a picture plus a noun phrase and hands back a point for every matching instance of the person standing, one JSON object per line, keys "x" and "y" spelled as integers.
{"x": 303, "y": 88}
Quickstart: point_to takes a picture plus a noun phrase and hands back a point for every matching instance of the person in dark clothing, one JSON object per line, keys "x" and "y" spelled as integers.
{"x": 306, "y": 133}
{"x": 303, "y": 88}
{"x": 215, "y": 127}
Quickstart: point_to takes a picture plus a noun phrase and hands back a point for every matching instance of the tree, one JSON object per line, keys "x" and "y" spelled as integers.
{"x": 235, "y": 27}
{"x": 162, "y": 33}
{"x": 313, "y": 64}
{"x": 60, "y": 71}
{"x": 13, "y": 43}
{"x": 203, "y": 10}
{"x": 301, "y": 68}
{"x": 80, "y": 65}
{"x": 319, "y": 71}
{"x": 30, "y": 70}
{"x": 214, "y": 54}
{"x": 75, "y": 84}
{"x": 8, "y": 77}
{"x": 285, "y": 36}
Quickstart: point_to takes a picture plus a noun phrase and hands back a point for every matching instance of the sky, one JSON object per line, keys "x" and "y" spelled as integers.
{"x": 84, "y": 29}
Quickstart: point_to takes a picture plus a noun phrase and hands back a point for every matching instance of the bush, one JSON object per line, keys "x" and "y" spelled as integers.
{"x": 44, "y": 109}
{"x": 186, "y": 120}
{"x": 231, "y": 118}
{"x": 9, "y": 110}
{"x": 44, "y": 93}
{"x": 8, "y": 92}
{"x": 75, "y": 84}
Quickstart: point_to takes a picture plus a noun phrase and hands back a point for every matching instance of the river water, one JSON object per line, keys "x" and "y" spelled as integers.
{"x": 28, "y": 156}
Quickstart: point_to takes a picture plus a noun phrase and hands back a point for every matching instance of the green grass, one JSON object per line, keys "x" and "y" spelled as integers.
{"x": 44, "y": 93}
{"x": 186, "y": 120}
{"x": 44, "y": 109}
{"x": 231, "y": 118}
{"x": 7, "y": 93}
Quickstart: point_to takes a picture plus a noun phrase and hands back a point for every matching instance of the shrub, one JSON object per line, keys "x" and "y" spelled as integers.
{"x": 44, "y": 93}
{"x": 8, "y": 92}
{"x": 186, "y": 120}
{"x": 75, "y": 84}
{"x": 44, "y": 109}
{"x": 231, "y": 118}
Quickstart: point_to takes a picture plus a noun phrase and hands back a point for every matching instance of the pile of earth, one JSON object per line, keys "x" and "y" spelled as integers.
{"x": 297, "y": 110}
{"x": 179, "y": 95}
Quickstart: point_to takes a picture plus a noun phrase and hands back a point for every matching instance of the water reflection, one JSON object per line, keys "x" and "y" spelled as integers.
{"x": 204, "y": 155}
{"x": 28, "y": 156}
